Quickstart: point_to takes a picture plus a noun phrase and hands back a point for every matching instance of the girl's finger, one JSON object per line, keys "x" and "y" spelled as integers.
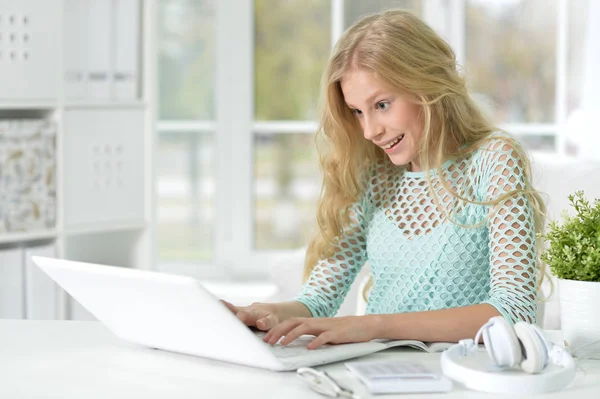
{"x": 321, "y": 340}
{"x": 300, "y": 330}
{"x": 268, "y": 335}
{"x": 267, "y": 322}
{"x": 282, "y": 329}
{"x": 274, "y": 330}
{"x": 246, "y": 317}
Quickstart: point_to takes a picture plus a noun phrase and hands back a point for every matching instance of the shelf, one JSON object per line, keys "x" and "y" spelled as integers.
{"x": 13, "y": 238}
{"x": 105, "y": 104}
{"x": 24, "y": 105}
{"x": 98, "y": 228}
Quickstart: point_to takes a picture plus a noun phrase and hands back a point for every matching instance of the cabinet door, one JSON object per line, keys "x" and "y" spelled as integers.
{"x": 29, "y": 49}
{"x": 103, "y": 172}
{"x": 12, "y": 293}
{"x": 41, "y": 297}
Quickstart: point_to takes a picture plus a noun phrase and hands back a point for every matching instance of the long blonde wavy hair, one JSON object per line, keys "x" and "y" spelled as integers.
{"x": 404, "y": 53}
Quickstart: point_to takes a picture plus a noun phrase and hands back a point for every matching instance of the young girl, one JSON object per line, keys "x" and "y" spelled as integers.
{"x": 420, "y": 184}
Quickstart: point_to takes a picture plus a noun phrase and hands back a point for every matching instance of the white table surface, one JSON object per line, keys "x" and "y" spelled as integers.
{"x": 71, "y": 359}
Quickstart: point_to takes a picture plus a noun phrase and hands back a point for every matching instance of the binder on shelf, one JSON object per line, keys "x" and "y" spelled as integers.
{"x": 41, "y": 297}
{"x": 75, "y": 39}
{"x": 126, "y": 49}
{"x": 99, "y": 32}
{"x": 12, "y": 292}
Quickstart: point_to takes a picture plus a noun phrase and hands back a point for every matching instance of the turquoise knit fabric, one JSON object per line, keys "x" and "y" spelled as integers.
{"x": 419, "y": 259}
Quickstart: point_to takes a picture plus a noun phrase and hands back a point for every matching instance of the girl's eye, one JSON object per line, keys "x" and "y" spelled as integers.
{"x": 382, "y": 105}
{"x": 357, "y": 112}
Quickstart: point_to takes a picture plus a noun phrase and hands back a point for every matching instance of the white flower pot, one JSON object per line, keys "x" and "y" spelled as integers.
{"x": 580, "y": 316}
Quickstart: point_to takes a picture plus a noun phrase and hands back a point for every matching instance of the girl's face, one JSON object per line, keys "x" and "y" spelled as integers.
{"x": 387, "y": 119}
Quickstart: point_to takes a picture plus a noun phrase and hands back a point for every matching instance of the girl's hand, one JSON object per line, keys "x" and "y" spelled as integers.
{"x": 335, "y": 330}
{"x": 259, "y": 315}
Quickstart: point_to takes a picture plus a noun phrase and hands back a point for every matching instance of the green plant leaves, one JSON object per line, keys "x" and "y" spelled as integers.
{"x": 574, "y": 247}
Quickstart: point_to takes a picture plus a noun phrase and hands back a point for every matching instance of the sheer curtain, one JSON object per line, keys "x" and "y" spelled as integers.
{"x": 582, "y": 128}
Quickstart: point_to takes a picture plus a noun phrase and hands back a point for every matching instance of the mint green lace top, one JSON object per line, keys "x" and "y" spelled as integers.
{"x": 419, "y": 259}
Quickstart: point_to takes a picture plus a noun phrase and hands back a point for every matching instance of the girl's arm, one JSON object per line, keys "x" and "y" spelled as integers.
{"x": 445, "y": 325}
{"x": 512, "y": 236}
{"x": 331, "y": 279}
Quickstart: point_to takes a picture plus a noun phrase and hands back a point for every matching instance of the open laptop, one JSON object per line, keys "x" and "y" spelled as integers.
{"x": 176, "y": 313}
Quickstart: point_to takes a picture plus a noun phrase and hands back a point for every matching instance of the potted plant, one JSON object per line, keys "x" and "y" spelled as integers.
{"x": 573, "y": 255}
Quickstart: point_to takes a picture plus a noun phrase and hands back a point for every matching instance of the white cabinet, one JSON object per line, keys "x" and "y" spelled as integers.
{"x": 97, "y": 191}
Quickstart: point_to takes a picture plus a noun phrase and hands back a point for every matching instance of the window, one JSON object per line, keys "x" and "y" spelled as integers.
{"x": 579, "y": 15}
{"x": 186, "y": 147}
{"x": 286, "y": 188}
{"x": 354, "y": 9}
{"x": 525, "y": 61}
{"x": 238, "y": 175}
{"x": 511, "y": 50}
{"x": 508, "y": 60}
{"x": 291, "y": 46}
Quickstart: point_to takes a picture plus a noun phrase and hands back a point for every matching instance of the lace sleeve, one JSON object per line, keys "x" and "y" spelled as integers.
{"x": 330, "y": 281}
{"x": 512, "y": 242}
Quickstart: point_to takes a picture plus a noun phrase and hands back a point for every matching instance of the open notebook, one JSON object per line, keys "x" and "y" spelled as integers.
{"x": 430, "y": 347}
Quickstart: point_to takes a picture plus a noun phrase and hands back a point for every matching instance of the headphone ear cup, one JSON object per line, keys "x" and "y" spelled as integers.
{"x": 501, "y": 343}
{"x": 534, "y": 350}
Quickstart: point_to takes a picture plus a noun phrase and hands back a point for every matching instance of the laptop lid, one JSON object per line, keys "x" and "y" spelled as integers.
{"x": 160, "y": 310}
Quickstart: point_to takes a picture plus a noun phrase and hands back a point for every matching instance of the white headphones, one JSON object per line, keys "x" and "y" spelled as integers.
{"x": 522, "y": 345}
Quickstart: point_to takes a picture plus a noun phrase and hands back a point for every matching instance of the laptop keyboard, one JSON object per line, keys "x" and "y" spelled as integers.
{"x": 293, "y": 349}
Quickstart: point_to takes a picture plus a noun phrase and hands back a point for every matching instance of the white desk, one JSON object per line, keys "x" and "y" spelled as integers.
{"x": 70, "y": 359}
